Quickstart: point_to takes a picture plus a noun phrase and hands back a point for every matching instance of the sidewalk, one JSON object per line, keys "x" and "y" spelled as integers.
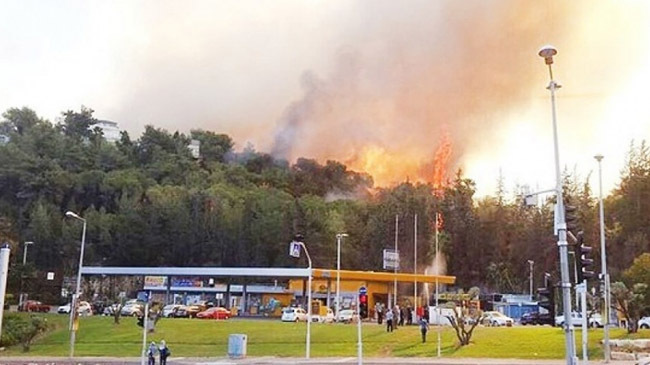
{"x": 287, "y": 361}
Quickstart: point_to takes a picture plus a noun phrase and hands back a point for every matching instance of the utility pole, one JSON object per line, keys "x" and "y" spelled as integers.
{"x": 415, "y": 264}
{"x": 397, "y": 263}
{"x": 547, "y": 52}
{"x": 603, "y": 261}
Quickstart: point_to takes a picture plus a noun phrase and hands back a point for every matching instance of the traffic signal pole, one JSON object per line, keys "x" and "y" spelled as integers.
{"x": 547, "y": 53}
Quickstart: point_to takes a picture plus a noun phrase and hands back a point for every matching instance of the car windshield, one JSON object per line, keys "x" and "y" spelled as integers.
{"x": 168, "y": 307}
{"x": 288, "y": 310}
{"x": 497, "y": 314}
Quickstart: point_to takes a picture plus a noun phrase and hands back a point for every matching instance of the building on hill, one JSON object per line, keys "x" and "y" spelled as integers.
{"x": 195, "y": 148}
{"x": 110, "y": 130}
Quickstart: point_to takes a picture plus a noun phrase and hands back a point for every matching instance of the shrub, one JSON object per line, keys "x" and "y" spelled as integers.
{"x": 19, "y": 329}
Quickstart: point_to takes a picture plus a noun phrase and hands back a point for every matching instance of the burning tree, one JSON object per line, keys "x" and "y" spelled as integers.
{"x": 466, "y": 314}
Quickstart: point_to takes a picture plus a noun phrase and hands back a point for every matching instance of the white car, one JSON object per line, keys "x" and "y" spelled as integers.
{"x": 134, "y": 310}
{"x": 85, "y": 309}
{"x": 293, "y": 314}
{"x": 328, "y": 318}
{"x": 347, "y": 316}
{"x": 169, "y": 309}
{"x": 644, "y": 323}
{"x": 496, "y": 319}
{"x": 595, "y": 320}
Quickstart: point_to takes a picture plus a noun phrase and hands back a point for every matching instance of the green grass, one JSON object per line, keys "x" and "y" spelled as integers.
{"x": 98, "y": 336}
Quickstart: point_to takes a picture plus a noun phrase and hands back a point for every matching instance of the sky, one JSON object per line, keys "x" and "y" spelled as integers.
{"x": 379, "y": 85}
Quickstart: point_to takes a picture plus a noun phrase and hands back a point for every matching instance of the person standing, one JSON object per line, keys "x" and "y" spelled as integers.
{"x": 389, "y": 321}
{"x": 151, "y": 353}
{"x": 402, "y": 314}
{"x": 424, "y": 328}
{"x": 164, "y": 352}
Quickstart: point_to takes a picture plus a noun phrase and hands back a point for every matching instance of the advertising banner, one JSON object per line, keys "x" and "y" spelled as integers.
{"x": 155, "y": 281}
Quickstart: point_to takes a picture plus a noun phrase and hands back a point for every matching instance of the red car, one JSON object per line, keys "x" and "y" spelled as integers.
{"x": 35, "y": 306}
{"x": 214, "y": 313}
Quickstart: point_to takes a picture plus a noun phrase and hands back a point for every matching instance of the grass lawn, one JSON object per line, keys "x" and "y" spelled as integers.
{"x": 98, "y": 336}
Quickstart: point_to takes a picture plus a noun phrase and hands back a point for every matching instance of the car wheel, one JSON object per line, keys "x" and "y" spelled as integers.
{"x": 134, "y": 314}
{"x": 645, "y": 326}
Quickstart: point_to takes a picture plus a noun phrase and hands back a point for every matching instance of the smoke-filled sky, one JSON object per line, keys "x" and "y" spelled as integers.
{"x": 375, "y": 84}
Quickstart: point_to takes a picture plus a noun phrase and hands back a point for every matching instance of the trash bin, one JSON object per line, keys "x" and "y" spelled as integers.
{"x": 237, "y": 346}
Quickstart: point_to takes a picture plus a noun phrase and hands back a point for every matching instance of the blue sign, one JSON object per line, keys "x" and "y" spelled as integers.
{"x": 363, "y": 290}
{"x": 143, "y": 296}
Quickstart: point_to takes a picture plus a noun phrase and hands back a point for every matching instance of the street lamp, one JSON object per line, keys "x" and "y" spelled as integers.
{"x": 294, "y": 250}
{"x": 27, "y": 243}
{"x": 22, "y": 295}
{"x": 75, "y": 296}
{"x": 547, "y": 52}
{"x": 339, "y": 238}
{"x": 531, "y": 263}
{"x": 603, "y": 258}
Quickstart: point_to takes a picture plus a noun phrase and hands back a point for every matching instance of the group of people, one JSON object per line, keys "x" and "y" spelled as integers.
{"x": 396, "y": 317}
{"x": 161, "y": 350}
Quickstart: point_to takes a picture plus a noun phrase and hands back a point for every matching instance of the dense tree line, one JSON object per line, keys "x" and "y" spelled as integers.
{"x": 148, "y": 202}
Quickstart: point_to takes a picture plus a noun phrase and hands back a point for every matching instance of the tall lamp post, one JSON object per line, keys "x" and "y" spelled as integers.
{"x": 603, "y": 258}
{"x": 294, "y": 250}
{"x": 339, "y": 238}
{"x": 547, "y": 52}
{"x": 531, "y": 263}
{"x": 75, "y": 296}
{"x": 27, "y": 243}
{"x": 22, "y": 295}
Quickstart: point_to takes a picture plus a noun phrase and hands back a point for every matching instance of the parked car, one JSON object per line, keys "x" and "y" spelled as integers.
{"x": 294, "y": 314}
{"x": 169, "y": 310}
{"x": 496, "y": 319}
{"x": 214, "y": 313}
{"x": 189, "y": 311}
{"x": 180, "y": 312}
{"x": 595, "y": 320}
{"x": 35, "y": 306}
{"x": 346, "y": 316}
{"x": 644, "y": 323}
{"x": 110, "y": 310}
{"x": 536, "y": 318}
{"x": 84, "y": 309}
{"x": 132, "y": 310}
{"x": 327, "y": 318}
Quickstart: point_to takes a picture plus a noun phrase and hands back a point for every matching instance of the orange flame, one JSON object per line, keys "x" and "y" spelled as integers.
{"x": 440, "y": 164}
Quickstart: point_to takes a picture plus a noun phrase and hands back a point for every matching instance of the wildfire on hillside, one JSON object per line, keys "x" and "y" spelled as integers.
{"x": 389, "y": 167}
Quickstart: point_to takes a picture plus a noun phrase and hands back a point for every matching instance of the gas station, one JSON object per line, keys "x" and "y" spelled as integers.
{"x": 264, "y": 291}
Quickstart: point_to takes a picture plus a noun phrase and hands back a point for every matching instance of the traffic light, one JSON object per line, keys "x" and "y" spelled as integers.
{"x": 583, "y": 261}
{"x": 363, "y": 305}
{"x": 546, "y": 297}
{"x": 570, "y": 217}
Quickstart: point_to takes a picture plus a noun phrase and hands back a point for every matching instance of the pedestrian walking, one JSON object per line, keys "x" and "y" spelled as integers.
{"x": 151, "y": 353}
{"x": 424, "y": 328}
{"x": 164, "y": 352}
{"x": 389, "y": 321}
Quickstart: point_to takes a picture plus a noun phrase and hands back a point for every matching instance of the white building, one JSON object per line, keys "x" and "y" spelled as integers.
{"x": 195, "y": 148}
{"x": 110, "y": 129}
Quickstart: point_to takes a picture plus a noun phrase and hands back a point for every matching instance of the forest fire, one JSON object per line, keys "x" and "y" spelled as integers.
{"x": 389, "y": 167}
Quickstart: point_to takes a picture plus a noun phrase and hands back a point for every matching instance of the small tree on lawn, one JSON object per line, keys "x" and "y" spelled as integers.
{"x": 629, "y": 302}
{"x": 465, "y": 315}
{"x": 117, "y": 309}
